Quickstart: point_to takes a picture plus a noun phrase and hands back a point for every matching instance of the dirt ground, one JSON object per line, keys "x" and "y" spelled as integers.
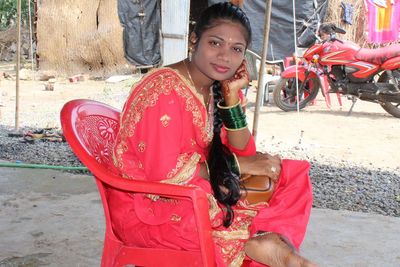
{"x": 56, "y": 223}
{"x": 51, "y": 218}
{"x": 369, "y": 136}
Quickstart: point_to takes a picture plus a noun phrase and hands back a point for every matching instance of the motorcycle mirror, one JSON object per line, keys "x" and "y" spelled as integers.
{"x": 333, "y": 38}
{"x": 338, "y": 30}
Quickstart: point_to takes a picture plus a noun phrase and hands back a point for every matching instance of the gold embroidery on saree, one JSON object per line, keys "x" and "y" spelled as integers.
{"x": 141, "y": 146}
{"x": 153, "y": 86}
{"x": 176, "y": 218}
{"x": 182, "y": 159}
{"x": 213, "y": 207}
{"x": 184, "y": 169}
{"x": 140, "y": 165}
{"x": 165, "y": 120}
{"x": 238, "y": 261}
{"x": 232, "y": 235}
{"x": 232, "y": 239}
{"x": 192, "y": 142}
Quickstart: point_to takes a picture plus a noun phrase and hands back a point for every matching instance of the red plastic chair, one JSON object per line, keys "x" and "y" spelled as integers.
{"x": 90, "y": 128}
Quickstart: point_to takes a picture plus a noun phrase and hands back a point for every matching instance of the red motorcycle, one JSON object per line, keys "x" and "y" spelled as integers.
{"x": 367, "y": 74}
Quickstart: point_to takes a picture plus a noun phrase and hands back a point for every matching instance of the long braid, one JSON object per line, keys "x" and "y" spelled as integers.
{"x": 219, "y": 162}
{"x": 222, "y": 173}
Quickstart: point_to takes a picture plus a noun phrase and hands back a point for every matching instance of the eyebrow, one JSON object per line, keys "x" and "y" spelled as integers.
{"x": 222, "y": 39}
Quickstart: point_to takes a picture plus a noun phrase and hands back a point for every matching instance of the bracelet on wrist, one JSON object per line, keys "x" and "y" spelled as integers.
{"x": 236, "y": 163}
{"x": 233, "y": 117}
{"x": 221, "y": 105}
{"x": 234, "y": 130}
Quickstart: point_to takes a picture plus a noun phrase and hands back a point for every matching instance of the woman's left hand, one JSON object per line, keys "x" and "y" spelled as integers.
{"x": 261, "y": 164}
{"x": 231, "y": 87}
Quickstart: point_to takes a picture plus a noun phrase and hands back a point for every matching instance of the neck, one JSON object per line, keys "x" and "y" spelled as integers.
{"x": 198, "y": 79}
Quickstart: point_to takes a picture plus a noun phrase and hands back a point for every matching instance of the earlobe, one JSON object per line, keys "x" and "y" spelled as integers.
{"x": 193, "y": 39}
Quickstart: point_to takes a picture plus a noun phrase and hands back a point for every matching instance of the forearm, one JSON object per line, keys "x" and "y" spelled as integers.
{"x": 239, "y": 139}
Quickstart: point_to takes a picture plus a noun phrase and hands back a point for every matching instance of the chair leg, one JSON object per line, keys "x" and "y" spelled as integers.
{"x": 245, "y": 90}
{"x": 266, "y": 94}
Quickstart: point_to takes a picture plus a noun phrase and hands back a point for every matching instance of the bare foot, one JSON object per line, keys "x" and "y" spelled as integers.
{"x": 270, "y": 249}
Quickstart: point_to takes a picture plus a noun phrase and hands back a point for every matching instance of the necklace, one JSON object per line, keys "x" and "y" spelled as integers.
{"x": 191, "y": 79}
{"x": 206, "y": 102}
{"x": 188, "y": 73}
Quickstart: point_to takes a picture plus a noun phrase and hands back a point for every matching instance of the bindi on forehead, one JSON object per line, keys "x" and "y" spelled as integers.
{"x": 230, "y": 30}
{"x": 228, "y": 39}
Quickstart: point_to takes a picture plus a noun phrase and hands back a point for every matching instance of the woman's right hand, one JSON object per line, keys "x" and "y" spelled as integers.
{"x": 261, "y": 164}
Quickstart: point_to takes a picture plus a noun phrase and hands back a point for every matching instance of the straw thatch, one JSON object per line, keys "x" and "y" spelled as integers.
{"x": 355, "y": 31}
{"x": 8, "y": 44}
{"x": 358, "y": 30}
{"x": 77, "y": 36}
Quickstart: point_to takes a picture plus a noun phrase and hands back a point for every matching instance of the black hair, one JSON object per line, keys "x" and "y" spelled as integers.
{"x": 222, "y": 11}
{"x": 222, "y": 172}
{"x": 220, "y": 165}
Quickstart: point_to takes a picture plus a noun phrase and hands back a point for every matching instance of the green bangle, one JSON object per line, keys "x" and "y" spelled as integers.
{"x": 233, "y": 117}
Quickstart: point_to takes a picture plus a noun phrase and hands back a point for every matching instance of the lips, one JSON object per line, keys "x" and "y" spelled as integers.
{"x": 220, "y": 69}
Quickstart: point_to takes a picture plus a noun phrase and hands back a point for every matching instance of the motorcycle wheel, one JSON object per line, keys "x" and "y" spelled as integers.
{"x": 285, "y": 93}
{"x": 391, "y": 108}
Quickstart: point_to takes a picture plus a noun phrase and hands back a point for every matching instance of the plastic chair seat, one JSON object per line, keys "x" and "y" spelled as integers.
{"x": 253, "y": 66}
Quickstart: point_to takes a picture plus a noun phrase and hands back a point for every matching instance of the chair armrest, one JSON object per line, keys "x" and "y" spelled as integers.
{"x": 197, "y": 196}
{"x": 278, "y": 62}
{"x": 138, "y": 186}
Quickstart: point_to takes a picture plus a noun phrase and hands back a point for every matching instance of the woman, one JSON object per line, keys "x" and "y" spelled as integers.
{"x": 171, "y": 126}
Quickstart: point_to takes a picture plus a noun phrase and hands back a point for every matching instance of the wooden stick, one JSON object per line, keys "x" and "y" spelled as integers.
{"x": 18, "y": 65}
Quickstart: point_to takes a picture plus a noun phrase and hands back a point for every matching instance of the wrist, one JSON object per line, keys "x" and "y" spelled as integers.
{"x": 242, "y": 163}
{"x": 231, "y": 100}
{"x": 231, "y": 97}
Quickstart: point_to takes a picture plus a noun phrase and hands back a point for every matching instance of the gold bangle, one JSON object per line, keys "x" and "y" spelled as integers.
{"x": 208, "y": 169}
{"x": 234, "y": 130}
{"x": 219, "y": 105}
{"x": 237, "y": 163}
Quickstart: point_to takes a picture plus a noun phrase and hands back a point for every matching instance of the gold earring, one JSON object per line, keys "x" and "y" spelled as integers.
{"x": 191, "y": 49}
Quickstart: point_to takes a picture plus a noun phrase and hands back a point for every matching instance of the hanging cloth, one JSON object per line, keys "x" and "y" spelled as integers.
{"x": 382, "y": 3}
{"x": 141, "y": 21}
{"x": 383, "y": 23}
{"x": 347, "y": 13}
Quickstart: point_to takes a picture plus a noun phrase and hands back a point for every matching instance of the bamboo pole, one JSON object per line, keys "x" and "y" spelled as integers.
{"x": 268, "y": 6}
{"x": 18, "y": 64}
{"x": 31, "y": 37}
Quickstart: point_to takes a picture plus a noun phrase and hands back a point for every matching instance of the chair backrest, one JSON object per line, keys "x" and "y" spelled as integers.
{"x": 90, "y": 127}
{"x": 254, "y": 61}
{"x": 94, "y": 126}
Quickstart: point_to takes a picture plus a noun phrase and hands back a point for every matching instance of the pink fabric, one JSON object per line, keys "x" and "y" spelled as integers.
{"x": 164, "y": 126}
{"x": 383, "y": 23}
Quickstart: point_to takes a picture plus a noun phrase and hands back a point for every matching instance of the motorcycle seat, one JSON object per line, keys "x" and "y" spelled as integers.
{"x": 378, "y": 55}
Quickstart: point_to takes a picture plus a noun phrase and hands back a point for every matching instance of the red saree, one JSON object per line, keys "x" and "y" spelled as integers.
{"x": 164, "y": 135}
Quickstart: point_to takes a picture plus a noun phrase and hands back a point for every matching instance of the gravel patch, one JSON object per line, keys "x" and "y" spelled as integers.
{"x": 338, "y": 184}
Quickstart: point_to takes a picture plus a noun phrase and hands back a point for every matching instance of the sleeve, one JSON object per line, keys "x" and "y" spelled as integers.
{"x": 157, "y": 146}
{"x": 249, "y": 150}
